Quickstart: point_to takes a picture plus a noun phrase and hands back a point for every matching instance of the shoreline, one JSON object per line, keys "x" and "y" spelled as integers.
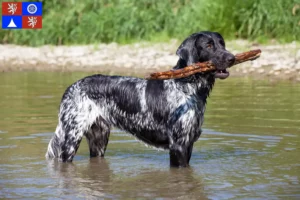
{"x": 278, "y": 61}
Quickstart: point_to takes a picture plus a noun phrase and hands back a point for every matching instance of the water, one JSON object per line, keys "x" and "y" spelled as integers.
{"x": 249, "y": 148}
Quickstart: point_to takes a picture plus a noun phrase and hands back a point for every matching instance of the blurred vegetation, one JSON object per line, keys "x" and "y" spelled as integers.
{"x": 125, "y": 21}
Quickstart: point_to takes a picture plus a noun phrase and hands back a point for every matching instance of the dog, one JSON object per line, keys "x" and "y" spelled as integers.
{"x": 166, "y": 114}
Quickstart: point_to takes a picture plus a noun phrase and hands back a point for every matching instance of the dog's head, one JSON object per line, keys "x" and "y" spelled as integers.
{"x": 206, "y": 46}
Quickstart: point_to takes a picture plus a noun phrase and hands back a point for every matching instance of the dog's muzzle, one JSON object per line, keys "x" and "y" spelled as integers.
{"x": 221, "y": 74}
{"x": 221, "y": 71}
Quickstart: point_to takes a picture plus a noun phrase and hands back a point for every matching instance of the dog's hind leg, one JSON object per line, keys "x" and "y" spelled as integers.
{"x": 77, "y": 114}
{"x": 70, "y": 146}
{"x": 64, "y": 144}
{"x": 97, "y": 137}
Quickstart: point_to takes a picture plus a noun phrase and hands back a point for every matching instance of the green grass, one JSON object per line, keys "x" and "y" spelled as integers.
{"x": 125, "y": 21}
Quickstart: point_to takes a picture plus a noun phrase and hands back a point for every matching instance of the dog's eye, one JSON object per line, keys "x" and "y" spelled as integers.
{"x": 209, "y": 46}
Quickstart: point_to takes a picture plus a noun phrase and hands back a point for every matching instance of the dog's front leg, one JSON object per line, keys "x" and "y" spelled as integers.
{"x": 178, "y": 156}
{"x": 189, "y": 152}
{"x": 180, "y": 151}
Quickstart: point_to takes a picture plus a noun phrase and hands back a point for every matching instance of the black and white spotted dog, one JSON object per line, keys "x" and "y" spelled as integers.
{"x": 166, "y": 114}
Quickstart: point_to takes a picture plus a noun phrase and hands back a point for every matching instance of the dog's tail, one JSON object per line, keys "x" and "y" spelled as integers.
{"x": 54, "y": 149}
{"x": 77, "y": 113}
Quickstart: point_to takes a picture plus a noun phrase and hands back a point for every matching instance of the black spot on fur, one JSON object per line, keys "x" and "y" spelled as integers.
{"x": 110, "y": 89}
{"x": 156, "y": 100}
{"x": 180, "y": 111}
{"x": 152, "y": 138}
{"x": 126, "y": 97}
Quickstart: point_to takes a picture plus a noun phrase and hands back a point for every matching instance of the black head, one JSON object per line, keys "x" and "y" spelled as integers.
{"x": 205, "y": 46}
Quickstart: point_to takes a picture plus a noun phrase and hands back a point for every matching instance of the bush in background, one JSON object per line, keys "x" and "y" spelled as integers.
{"x": 124, "y": 21}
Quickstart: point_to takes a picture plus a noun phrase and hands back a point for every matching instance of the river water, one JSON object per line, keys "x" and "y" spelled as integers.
{"x": 249, "y": 148}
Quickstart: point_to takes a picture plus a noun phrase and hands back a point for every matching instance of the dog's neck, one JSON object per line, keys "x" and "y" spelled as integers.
{"x": 202, "y": 82}
{"x": 180, "y": 64}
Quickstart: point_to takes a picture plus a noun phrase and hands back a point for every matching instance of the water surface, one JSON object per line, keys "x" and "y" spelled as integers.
{"x": 249, "y": 149}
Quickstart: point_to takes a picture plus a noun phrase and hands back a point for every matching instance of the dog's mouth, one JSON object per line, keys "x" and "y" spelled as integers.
{"x": 221, "y": 74}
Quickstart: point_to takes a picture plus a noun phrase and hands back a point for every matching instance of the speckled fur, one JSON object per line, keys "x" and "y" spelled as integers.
{"x": 166, "y": 114}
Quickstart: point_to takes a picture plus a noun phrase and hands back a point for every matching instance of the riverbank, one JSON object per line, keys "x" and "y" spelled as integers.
{"x": 277, "y": 61}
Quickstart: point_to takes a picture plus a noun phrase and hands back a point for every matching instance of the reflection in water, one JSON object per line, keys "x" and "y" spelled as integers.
{"x": 97, "y": 180}
{"x": 87, "y": 181}
{"x": 249, "y": 147}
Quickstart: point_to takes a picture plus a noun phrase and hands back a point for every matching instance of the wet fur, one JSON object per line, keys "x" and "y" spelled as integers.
{"x": 166, "y": 114}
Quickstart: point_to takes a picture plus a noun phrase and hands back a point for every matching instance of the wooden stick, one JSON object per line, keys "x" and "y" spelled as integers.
{"x": 202, "y": 67}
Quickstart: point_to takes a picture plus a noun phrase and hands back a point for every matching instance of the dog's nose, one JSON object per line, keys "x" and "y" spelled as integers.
{"x": 230, "y": 59}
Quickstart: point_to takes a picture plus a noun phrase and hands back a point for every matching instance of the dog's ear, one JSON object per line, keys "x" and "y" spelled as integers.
{"x": 187, "y": 51}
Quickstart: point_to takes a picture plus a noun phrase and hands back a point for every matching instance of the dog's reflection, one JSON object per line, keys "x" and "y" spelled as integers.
{"x": 90, "y": 179}
{"x": 96, "y": 179}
